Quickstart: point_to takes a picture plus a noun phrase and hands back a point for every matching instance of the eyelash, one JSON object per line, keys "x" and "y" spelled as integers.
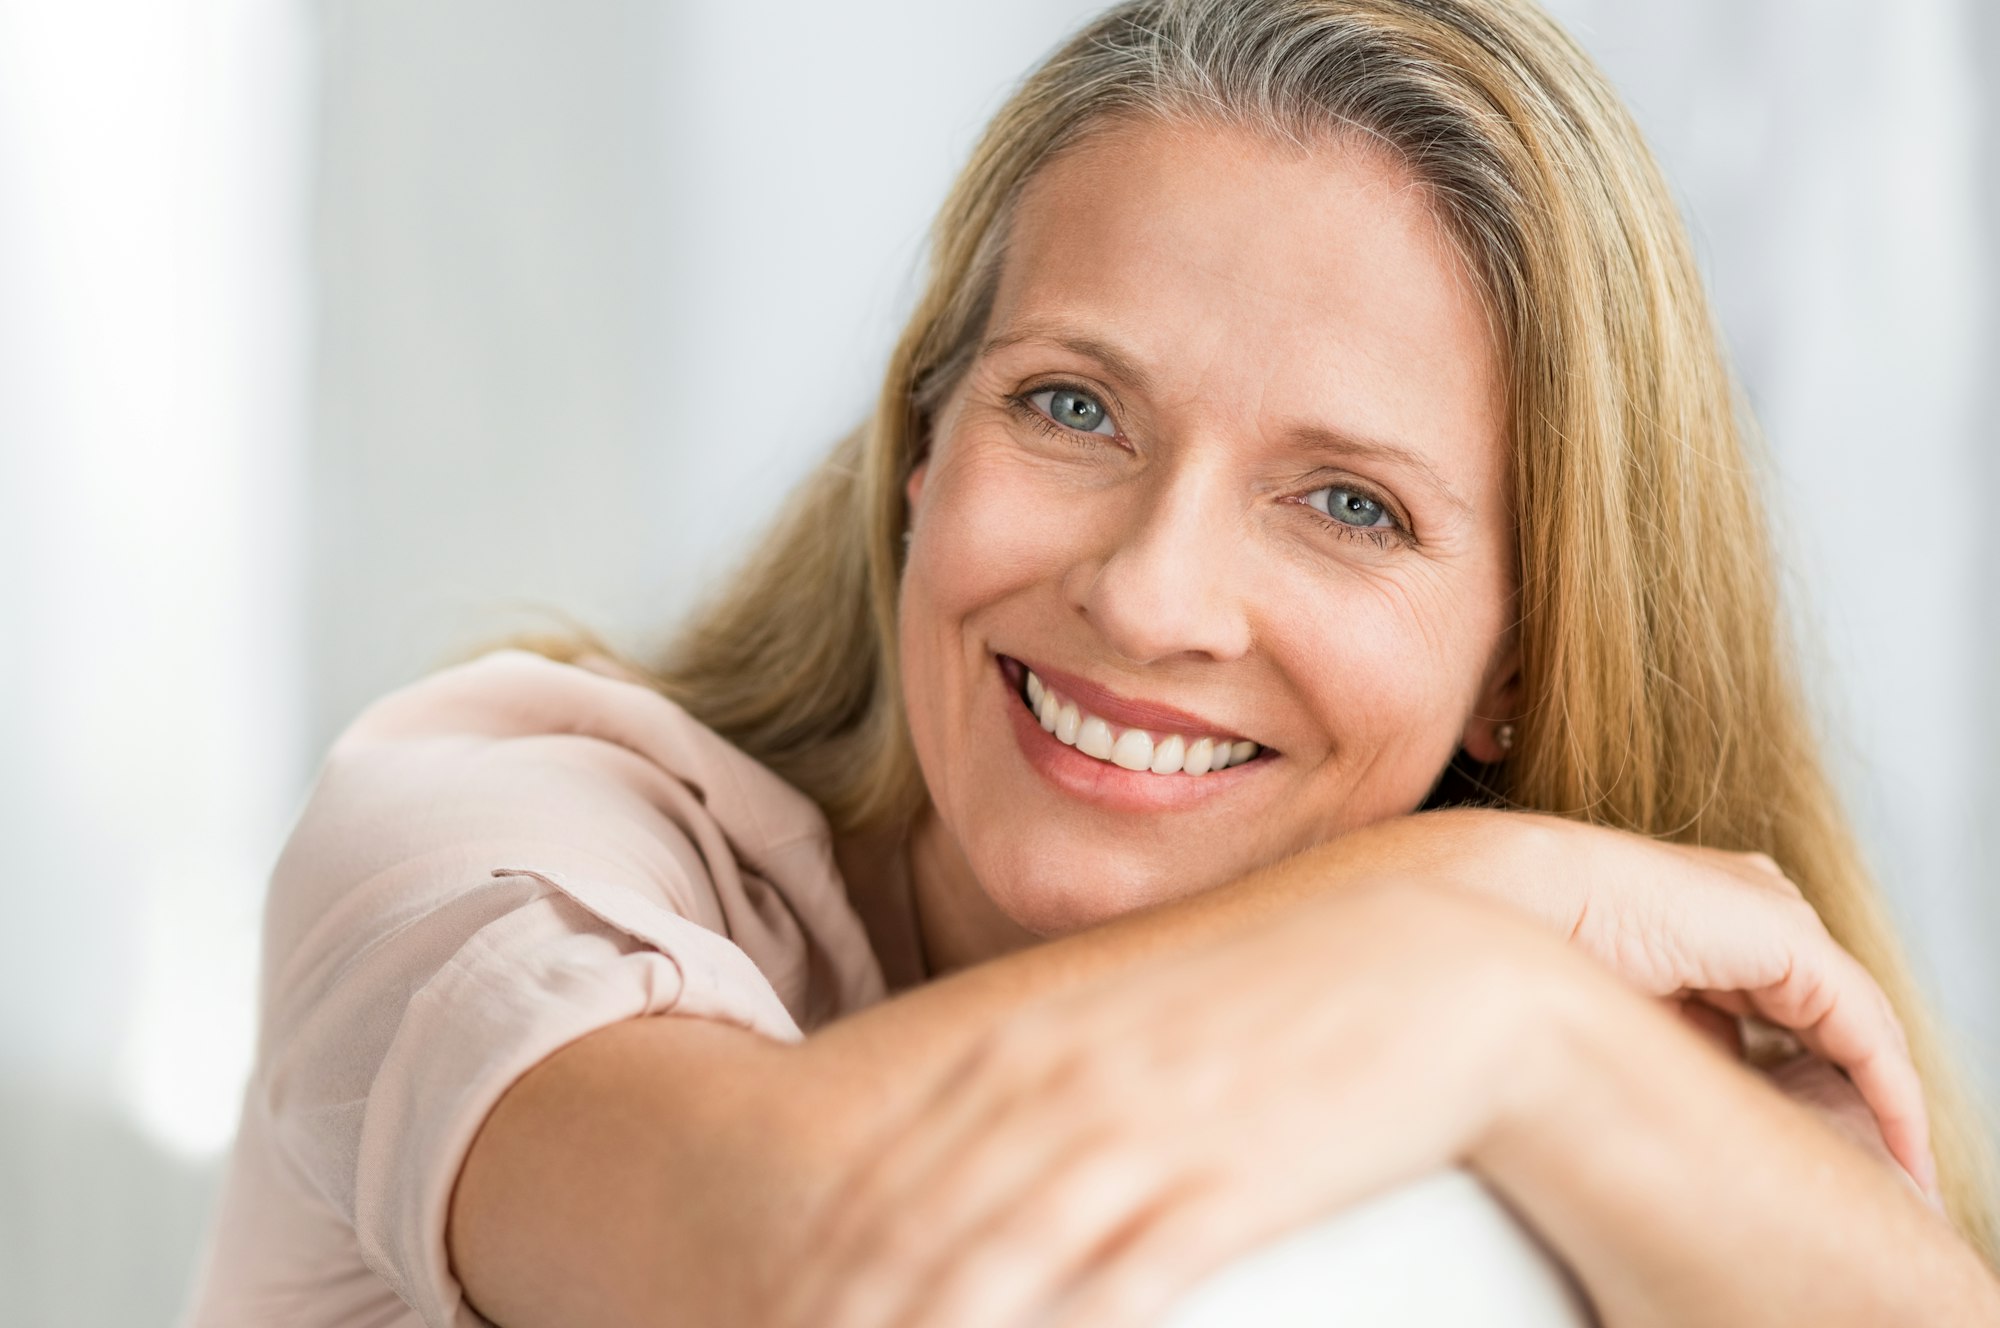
{"x": 1381, "y": 538}
{"x": 1034, "y": 414}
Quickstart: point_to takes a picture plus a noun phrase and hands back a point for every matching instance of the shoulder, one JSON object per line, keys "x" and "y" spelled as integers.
{"x": 513, "y": 747}
{"x": 515, "y": 707}
{"x": 495, "y": 860}
{"x": 515, "y": 693}
{"x": 584, "y": 778}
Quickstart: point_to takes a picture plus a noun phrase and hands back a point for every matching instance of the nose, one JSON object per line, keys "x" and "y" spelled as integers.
{"x": 1164, "y": 583}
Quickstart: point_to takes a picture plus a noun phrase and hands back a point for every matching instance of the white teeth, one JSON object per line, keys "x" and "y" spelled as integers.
{"x": 1131, "y": 749}
{"x": 1067, "y": 723}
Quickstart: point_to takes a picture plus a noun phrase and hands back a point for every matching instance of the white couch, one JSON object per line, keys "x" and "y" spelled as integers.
{"x": 1442, "y": 1252}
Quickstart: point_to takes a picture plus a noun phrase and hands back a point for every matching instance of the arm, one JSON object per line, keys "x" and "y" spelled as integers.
{"x": 576, "y": 1204}
{"x": 581, "y": 1201}
{"x": 1683, "y": 1188}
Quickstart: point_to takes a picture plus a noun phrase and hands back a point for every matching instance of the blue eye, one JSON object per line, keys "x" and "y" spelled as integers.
{"x": 1074, "y": 409}
{"x": 1350, "y": 507}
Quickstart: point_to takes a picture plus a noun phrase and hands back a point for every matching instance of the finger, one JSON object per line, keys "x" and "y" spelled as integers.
{"x": 961, "y": 1163}
{"x": 1865, "y": 1047}
{"x": 888, "y": 1254}
{"x": 854, "y": 1206}
{"x": 1826, "y": 997}
{"x": 1019, "y": 1258}
{"x": 939, "y": 1238}
{"x": 907, "y": 1152}
{"x": 1885, "y": 1080}
{"x": 1137, "y": 1278}
{"x": 1870, "y": 1049}
{"x": 1819, "y": 1087}
{"x": 1839, "y": 1013}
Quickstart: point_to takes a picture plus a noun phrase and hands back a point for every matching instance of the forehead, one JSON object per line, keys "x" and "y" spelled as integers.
{"x": 1315, "y": 285}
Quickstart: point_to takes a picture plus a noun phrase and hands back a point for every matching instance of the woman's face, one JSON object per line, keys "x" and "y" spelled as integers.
{"x": 1233, "y": 446}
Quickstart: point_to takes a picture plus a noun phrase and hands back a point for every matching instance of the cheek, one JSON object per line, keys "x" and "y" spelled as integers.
{"x": 1392, "y": 662}
{"x": 992, "y": 526}
{"x": 985, "y": 536}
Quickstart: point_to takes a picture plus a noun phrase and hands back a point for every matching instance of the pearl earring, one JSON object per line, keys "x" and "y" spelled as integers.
{"x": 1504, "y": 736}
{"x": 908, "y": 535}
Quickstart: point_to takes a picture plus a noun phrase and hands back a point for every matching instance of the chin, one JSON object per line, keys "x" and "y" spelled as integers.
{"x": 1054, "y": 900}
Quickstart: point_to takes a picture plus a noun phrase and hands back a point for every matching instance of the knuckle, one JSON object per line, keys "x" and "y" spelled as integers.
{"x": 1817, "y": 998}
{"x": 1803, "y": 918}
{"x": 1769, "y": 873}
{"x": 1109, "y": 1175}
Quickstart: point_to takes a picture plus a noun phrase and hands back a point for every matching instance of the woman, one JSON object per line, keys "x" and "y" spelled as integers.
{"x": 1313, "y": 416}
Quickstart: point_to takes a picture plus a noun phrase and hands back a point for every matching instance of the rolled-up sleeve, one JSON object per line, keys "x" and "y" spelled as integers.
{"x": 451, "y": 910}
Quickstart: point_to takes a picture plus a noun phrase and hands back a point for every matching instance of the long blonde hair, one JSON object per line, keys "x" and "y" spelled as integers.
{"x": 1662, "y": 695}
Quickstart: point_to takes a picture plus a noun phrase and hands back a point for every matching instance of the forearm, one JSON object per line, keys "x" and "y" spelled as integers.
{"x": 677, "y": 1162}
{"x": 1683, "y": 1188}
{"x": 885, "y": 1058}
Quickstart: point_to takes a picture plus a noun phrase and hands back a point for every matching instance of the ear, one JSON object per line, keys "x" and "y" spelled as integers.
{"x": 1499, "y": 703}
{"x": 913, "y": 487}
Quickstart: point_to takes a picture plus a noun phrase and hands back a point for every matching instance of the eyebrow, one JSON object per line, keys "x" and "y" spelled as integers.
{"x": 1317, "y": 437}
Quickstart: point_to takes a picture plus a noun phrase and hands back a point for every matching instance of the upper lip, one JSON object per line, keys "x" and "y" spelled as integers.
{"x": 1129, "y": 711}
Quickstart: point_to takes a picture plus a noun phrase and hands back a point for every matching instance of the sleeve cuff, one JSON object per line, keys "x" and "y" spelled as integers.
{"x": 583, "y": 954}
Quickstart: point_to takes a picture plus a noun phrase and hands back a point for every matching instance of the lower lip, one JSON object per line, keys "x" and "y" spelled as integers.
{"x": 1109, "y": 786}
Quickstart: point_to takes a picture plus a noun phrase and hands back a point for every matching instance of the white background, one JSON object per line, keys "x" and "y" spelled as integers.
{"x": 333, "y": 336}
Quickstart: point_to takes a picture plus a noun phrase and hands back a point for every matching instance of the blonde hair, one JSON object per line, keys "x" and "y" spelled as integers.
{"x": 1662, "y": 696}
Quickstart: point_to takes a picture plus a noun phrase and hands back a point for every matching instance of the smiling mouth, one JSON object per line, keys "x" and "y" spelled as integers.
{"x": 1140, "y": 750}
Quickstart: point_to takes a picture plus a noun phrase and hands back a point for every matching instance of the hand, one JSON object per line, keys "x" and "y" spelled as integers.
{"x": 1099, "y": 1154}
{"x": 1828, "y": 1094}
{"x": 1727, "y": 929}
{"x": 1804, "y": 1079}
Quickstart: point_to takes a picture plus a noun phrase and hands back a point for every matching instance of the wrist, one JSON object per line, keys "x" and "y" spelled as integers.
{"x": 1650, "y": 1160}
{"x": 1572, "y": 1019}
{"x": 1507, "y": 856}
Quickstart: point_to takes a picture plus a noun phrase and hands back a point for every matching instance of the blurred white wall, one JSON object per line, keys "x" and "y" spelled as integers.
{"x": 151, "y": 695}
{"x": 332, "y": 336}
{"x": 598, "y": 282}
{"x": 1839, "y": 168}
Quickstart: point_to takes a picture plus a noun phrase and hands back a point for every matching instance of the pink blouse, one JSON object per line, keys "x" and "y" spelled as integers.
{"x": 494, "y": 861}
